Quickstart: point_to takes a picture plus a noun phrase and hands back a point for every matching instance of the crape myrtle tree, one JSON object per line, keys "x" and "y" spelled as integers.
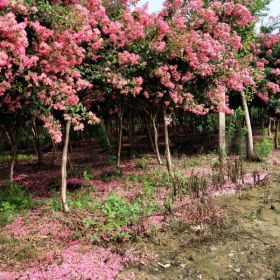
{"x": 246, "y": 71}
{"x": 114, "y": 69}
{"x": 38, "y": 58}
{"x": 267, "y": 49}
{"x": 204, "y": 44}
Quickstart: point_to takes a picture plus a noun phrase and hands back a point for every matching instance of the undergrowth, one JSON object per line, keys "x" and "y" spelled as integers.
{"x": 13, "y": 199}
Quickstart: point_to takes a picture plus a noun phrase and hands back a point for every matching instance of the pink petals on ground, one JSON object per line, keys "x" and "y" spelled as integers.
{"x": 75, "y": 262}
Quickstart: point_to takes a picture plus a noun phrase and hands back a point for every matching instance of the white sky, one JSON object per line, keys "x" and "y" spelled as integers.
{"x": 155, "y": 5}
{"x": 274, "y": 8}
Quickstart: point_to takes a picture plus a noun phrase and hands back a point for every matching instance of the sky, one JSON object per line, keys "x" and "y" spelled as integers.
{"x": 155, "y": 5}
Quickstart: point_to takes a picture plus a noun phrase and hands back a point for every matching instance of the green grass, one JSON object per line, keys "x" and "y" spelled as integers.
{"x": 20, "y": 157}
{"x": 13, "y": 199}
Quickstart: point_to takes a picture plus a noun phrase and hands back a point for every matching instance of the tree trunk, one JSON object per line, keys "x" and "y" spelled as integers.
{"x": 276, "y": 141}
{"x": 131, "y": 133}
{"x": 168, "y": 155}
{"x": 269, "y": 127}
{"x": 120, "y": 138}
{"x": 13, "y": 161}
{"x": 150, "y": 136}
{"x": 54, "y": 148}
{"x": 174, "y": 134}
{"x": 64, "y": 168}
{"x": 156, "y": 139}
{"x": 251, "y": 153}
{"x": 167, "y": 146}
{"x": 13, "y": 140}
{"x": 106, "y": 136}
{"x": 37, "y": 143}
{"x": 222, "y": 136}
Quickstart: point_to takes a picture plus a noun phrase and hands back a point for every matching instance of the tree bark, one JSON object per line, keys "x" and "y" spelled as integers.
{"x": 13, "y": 140}
{"x": 54, "y": 148}
{"x": 269, "y": 127}
{"x": 36, "y": 137}
{"x": 150, "y": 135}
{"x": 167, "y": 145}
{"x": 156, "y": 139}
{"x": 168, "y": 155}
{"x": 222, "y": 136}
{"x": 251, "y": 153}
{"x": 106, "y": 136}
{"x": 276, "y": 141}
{"x": 13, "y": 161}
{"x": 120, "y": 138}
{"x": 64, "y": 168}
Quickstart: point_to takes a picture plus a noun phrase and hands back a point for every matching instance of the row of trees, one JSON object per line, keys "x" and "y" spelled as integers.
{"x": 76, "y": 63}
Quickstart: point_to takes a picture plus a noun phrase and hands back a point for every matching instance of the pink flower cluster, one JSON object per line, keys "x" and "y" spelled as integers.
{"x": 126, "y": 58}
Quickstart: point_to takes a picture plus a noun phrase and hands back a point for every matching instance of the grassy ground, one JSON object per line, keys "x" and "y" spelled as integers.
{"x": 115, "y": 211}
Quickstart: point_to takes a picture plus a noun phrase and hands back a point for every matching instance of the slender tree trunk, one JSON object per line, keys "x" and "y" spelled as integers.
{"x": 168, "y": 155}
{"x": 64, "y": 168}
{"x": 269, "y": 127}
{"x": 120, "y": 138}
{"x": 106, "y": 136}
{"x": 131, "y": 133}
{"x": 251, "y": 153}
{"x": 148, "y": 128}
{"x": 167, "y": 145}
{"x": 174, "y": 134}
{"x": 36, "y": 137}
{"x": 276, "y": 141}
{"x": 222, "y": 136}
{"x": 13, "y": 140}
{"x": 156, "y": 139}
{"x": 13, "y": 160}
{"x": 54, "y": 148}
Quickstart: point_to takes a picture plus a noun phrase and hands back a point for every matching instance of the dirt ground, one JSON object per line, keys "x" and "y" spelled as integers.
{"x": 245, "y": 244}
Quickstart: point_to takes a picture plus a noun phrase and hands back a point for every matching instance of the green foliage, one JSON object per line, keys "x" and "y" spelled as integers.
{"x": 26, "y": 251}
{"x": 242, "y": 141}
{"x": 12, "y": 200}
{"x": 20, "y": 157}
{"x": 56, "y": 15}
{"x": 142, "y": 163}
{"x": 111, "y": 175}
{"x": 192, "y": 162}
{"x": 214, "y": 162}
{"x": 13, "y": 197}
{"x": 100, "y": 131}
{"x": 236, "y": 129}
{"x": 81, "y": 200}
{"x": 119, "y": 212}
{"x": 264, "y": 147}
{"x": 87, "y": 175}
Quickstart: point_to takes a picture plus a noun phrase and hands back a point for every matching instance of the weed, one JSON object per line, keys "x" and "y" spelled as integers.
{"x": 264, "y": 147}
{"x": 26, "y": 251}
{"x": 192, "y": 162}
{"x": 82, "y": 200}
{"x": 20, "y": 157}
{"x": 87, "y": 175}
{"x": 119, "y": 212}
{"x": 12, "y": 200}
{"x": 142, "y": 163}
{"x": 111, "y": 175}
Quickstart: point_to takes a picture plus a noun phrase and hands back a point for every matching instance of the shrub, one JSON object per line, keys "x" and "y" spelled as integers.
{"x": 13, "y": 199}
{"x": 143, "y": 162}
{"x": 264, "y": 148}
{"x": 119, "y": 212}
